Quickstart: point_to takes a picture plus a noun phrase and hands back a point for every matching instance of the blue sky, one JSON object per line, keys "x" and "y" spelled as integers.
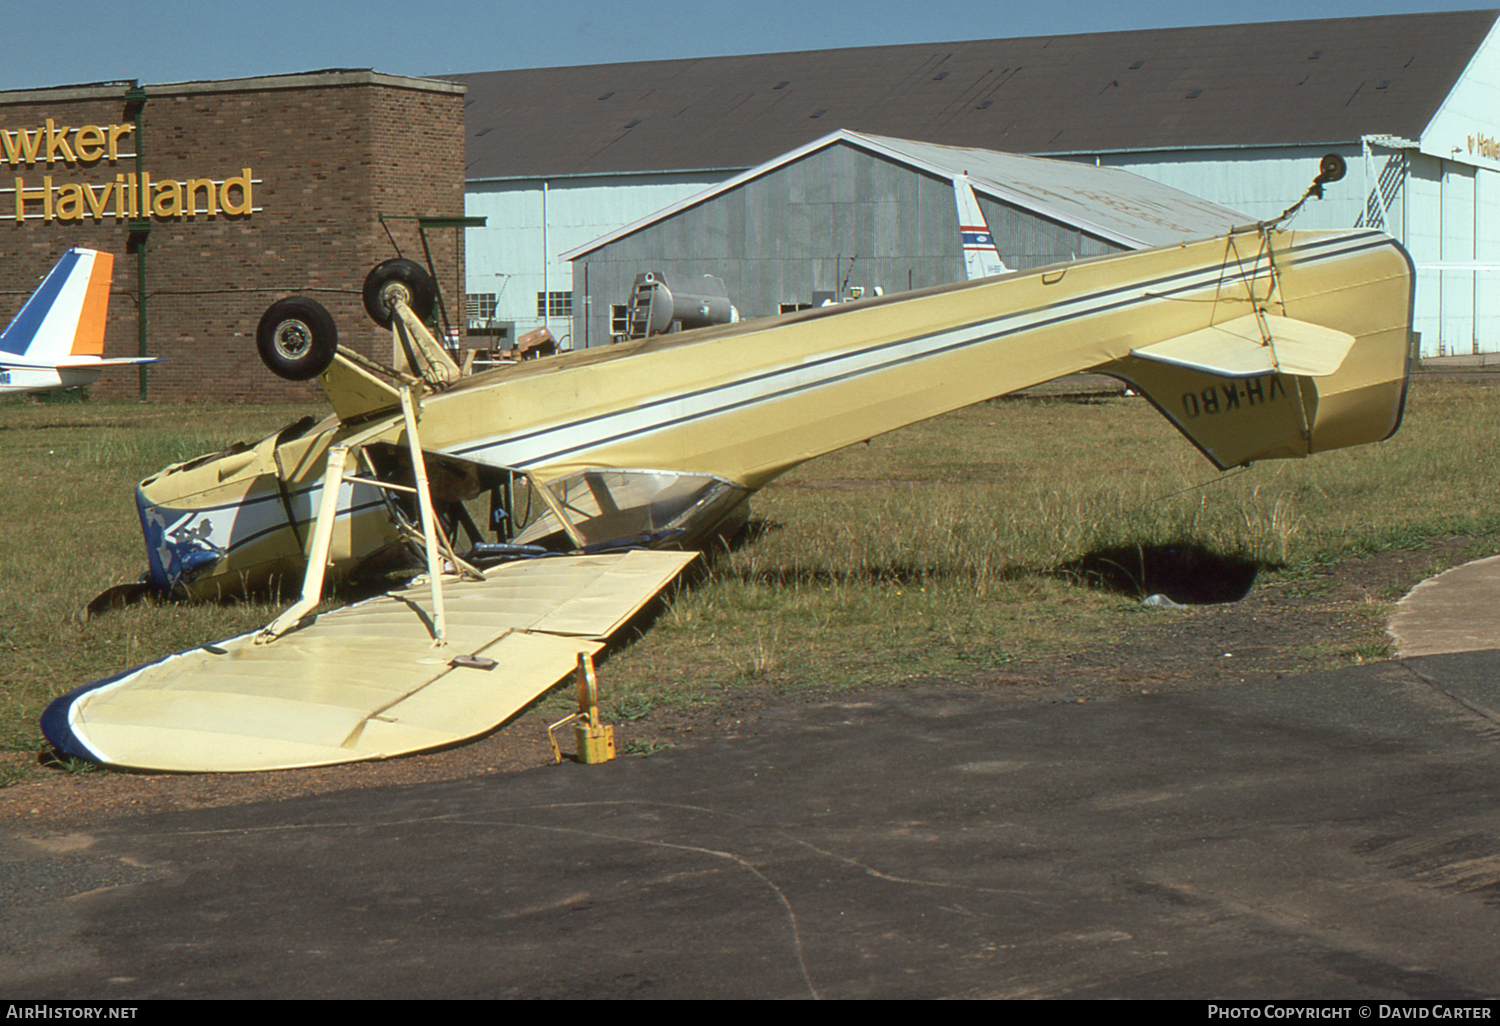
{"x": 74, "y": 41}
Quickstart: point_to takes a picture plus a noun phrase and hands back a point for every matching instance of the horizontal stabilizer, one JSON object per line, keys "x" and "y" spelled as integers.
{"x": 1254, "y": 345}
{"x": 75, "y": 363}
{"x": 114, "y": 361}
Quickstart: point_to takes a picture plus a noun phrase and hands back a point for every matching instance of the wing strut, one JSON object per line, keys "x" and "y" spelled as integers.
{"x": 433, "y": 541}
{"x": 429, "y": 519}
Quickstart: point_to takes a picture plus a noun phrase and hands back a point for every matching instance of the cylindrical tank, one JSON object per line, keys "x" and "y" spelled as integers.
{"x": 687, "y": 301}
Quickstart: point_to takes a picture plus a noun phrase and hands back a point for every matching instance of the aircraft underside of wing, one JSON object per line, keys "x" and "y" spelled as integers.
{"x": 364, "y": 681}
{"x": 1257, "y": 345}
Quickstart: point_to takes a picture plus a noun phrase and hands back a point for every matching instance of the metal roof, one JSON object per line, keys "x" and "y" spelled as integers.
{"x": 1105, "y": 202}
{"x": 1273, "y": 83}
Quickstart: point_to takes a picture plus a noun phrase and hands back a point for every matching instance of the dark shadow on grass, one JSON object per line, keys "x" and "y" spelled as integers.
{"x": 280, "y": 590}
{"x": 1185, "y": 572}
{"x": 753, "y": 530}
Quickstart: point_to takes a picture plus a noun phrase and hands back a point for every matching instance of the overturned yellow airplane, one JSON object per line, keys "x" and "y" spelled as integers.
{"x": 1260, "y": 344}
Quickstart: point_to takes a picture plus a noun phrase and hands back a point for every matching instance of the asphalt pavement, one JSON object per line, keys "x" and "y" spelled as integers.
{"x": 1328, "y": 836}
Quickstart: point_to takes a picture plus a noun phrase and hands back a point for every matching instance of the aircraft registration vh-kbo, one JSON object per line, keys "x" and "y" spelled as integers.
{"x": 1258, "y": 344}
{"x": 57, "y": 338}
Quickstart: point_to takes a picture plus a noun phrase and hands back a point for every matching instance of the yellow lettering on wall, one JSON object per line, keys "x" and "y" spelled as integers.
{"x": 206, "y": 186}
{"x": 131, "y": 195}
{"x": 69, "y": 205}
{"x": 29, "y": 142}
{"x": 1488, "y": 146}
{"x": 25, "y": 195}
{"x": 241, "y": 182}
{"x": 167, "y": 202}
{"x": 57, "y": 143}
{"x": 97, "y": 201}
{"x": 89, "y": 143}
{"x": 115, "y": 131}
{"x": 53, "y": 143}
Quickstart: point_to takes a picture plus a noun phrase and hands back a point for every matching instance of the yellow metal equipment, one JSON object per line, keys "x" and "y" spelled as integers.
{"x": 596, "y": 741}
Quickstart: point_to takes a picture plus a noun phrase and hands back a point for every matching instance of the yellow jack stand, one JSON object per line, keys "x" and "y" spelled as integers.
{"x": 596, "y": 741}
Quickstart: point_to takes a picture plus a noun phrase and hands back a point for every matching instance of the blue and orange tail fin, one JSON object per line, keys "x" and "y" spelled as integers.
{"x": 65, "y": 316}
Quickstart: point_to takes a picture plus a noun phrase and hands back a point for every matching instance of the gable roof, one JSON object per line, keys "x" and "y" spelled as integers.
{"x": 1292, "y": 82}
{"x": 1104, "y": 202}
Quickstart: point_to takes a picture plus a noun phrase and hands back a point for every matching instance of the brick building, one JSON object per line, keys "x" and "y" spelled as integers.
{"x": 258, "y": 188}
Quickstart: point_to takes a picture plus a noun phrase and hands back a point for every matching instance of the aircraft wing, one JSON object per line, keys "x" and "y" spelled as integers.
{"x": 364, "y": 681}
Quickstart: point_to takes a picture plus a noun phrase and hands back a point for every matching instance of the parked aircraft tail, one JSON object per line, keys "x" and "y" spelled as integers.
{"x": 64, "y": 317}
{"x": 57, "y": 340}
{"x": 981, "y": 258}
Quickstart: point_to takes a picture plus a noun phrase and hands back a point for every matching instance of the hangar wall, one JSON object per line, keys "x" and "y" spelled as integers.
{"x": 252, "y": 189}
{"x": 1446, "y": 212}
{"x": 513, "y": 262}
{"x": 838, "y": 216}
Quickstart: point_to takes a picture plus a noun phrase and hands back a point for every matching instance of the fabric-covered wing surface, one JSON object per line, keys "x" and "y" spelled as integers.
{"x": 364, "y": 681}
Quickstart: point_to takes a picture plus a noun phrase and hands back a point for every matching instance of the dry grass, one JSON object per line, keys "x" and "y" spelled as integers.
{"x": 935, "y": 549}
{"x": 70, "y": 530}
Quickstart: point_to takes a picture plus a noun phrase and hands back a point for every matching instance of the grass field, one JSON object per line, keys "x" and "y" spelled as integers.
{"x": 933, "y": 550}
{"x": 944, "y": 547}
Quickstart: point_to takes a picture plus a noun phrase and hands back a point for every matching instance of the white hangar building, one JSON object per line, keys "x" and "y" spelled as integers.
{"x": 708, "y": 162}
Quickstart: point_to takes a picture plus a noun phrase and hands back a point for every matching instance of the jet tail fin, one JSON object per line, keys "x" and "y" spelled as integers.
{"x": 65, "y": 316}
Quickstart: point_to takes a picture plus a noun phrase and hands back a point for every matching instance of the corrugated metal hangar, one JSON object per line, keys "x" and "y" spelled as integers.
{"x": 851, "y": 215}
{"x": 777, "y": 171}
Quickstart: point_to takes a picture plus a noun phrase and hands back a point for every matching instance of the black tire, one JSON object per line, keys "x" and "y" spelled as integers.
{"x": 399, "y": 277}
{"x": 297, "y": 338}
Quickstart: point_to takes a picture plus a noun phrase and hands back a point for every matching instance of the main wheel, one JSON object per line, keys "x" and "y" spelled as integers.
{"x": 297, "y": 338}
{"x": 403, "y": 279}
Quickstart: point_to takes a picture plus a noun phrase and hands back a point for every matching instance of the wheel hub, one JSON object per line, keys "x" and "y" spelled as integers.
{"x": 392, "y": 293}
{"x": 293, "y": 339}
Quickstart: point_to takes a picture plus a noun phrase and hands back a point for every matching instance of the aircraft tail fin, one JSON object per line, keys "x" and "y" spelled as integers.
{"x": 1266, "y": 387}
{"x": 981, "y": 258}
{"x": 65, "y": 316}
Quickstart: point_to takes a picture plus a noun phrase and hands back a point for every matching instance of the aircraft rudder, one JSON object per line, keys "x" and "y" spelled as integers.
{"x": 47, "y": 324}
{"x": 88, "y": 339}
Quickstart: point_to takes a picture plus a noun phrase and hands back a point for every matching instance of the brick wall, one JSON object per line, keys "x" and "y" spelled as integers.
{"x": 328, "y": 153}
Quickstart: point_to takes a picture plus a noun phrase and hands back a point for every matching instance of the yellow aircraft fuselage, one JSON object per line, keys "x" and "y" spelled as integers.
{"x": 675, "y": 431}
